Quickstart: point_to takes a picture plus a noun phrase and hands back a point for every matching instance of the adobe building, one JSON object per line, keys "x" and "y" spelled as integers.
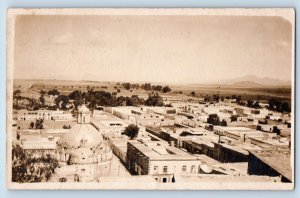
{"x": 164, "y": 162}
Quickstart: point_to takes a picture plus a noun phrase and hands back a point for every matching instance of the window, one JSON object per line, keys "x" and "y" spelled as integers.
{"x": 165, "y": 169}
{"x": 164, "y": 180}
{"x": 193, "y": 169}
{"x": 183, "y": 168}
{"x": 155, "y": 168}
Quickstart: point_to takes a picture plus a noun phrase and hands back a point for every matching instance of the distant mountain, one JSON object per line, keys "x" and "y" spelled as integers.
{"x": 246, "y": 83}
{"x": 252, "y": 80}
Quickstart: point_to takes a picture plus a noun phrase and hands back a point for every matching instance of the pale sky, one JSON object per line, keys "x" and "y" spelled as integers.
{"x": 174, "y": 49}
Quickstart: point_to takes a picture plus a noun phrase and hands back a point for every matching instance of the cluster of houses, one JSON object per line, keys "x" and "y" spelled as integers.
{"x": 177, "y": 141}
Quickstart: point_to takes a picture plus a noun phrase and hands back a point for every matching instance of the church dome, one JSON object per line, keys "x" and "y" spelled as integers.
{"x": 84, "y": 144}
{"x": 82, "y": 135}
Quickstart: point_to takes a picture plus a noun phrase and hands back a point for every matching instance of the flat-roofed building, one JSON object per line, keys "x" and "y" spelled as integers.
{"x": 270, "y": 141}
{"x": 108, "y": 123}
{"x": 26, "y": 115}
{"x": 271, "y": 163}
{"x": 33, "y": 115}
{"x": 238, "y": 133}
{"x": 61, "y": 115}
{"x": 176, "y": 135}
{"x": 39, "y": 144}
{"x": 225, "y": 152}
{"x": 118, "y": 144}
{"x": 142, "y": 116}
{"x": 163, "y": 162}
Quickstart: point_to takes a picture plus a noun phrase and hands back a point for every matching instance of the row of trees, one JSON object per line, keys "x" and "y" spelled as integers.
{"x": 280, "y": 106}
{"x": 53, "y": 92}
{"x": 217, "y": 98}
{"x": 253, "y": 104}
{"x": 23, "y": 102}
{"x": 147, "y": 87}
{"x": 103, "y": 98}
{"x": 274, "y": 104}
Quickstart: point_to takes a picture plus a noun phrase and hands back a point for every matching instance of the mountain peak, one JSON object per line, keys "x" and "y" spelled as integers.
{"x": 256, "y": 81}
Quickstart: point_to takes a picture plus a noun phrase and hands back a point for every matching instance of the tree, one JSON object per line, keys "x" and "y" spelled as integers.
{"x": 131, "y": 131}
{"x": 16, "y": 94}
{"x": 223, "y": 123}
{"x": 39, "y": 124}
{"x": 286, "y": 107}
{"x": 250, "y": 103}
{"x": 64, "y": 100}
{"x": 154, "y": 100}
{"x": 276, "y": 130}
{"x": 193, "y": 93}
{"x": 216, "y": 98}
{"x": 134, "y": 101}
{"x": 126, "y": 86}
{"x": 274, "y": 104}
{"x": 135, "y": 86}
{"x": 42, "y": 99}
{"x": 66, "y": 126}
{"x": 18, "y": 136}
{"x": 53, "y": 92}
{"x": 77, "y": 96}
{"x": 157, "y": 88}
{"x": 233, "y": 118}
{"x": 213, "y": 119}
{"x": 166, "y": 89}
{"x": 42, "y": 92}
{"x": 256, "y": 104}
{"x": 146, "y": 86}
{"x": 114, "y": 94}
{"x": 238, "y": 99}
{"x": 31, "y": 125}
{"x": 24, "y": 169}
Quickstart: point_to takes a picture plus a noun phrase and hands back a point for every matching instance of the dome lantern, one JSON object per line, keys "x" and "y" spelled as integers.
{"x": 84, "y": 115}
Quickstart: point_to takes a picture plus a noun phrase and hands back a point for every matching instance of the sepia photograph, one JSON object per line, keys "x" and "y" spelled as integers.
{"x": 150, "y": 99}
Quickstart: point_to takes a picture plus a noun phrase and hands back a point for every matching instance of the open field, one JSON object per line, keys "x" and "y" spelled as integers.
{"x": 31, "y": 88}
{"x": 247, "y": 92}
